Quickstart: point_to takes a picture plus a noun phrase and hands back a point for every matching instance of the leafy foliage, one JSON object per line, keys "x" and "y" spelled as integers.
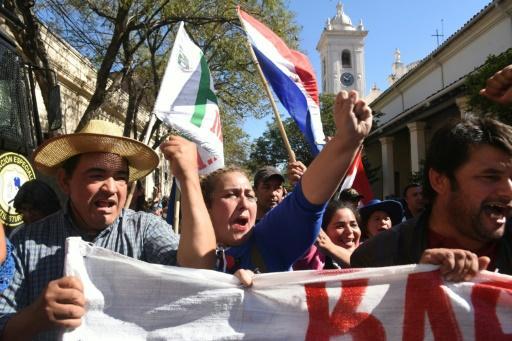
{"x": 129, "y": 42}
{"x": 269, "y": 148}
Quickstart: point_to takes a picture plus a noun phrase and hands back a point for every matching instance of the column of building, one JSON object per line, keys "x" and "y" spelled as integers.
{"x": 388, "y": 167}
{"x": 417, "y": 148}
{"x": 417, "y": 140}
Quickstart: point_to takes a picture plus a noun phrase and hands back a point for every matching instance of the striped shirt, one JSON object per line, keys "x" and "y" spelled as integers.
{"x": 39, "y": 253}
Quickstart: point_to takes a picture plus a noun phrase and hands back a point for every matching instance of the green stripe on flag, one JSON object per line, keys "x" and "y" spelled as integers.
{"x": 204, "y": 94}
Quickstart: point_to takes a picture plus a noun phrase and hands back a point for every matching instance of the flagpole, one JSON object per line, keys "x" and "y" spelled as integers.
{"x": 177, "y": 206}
{"x": 152, "y": 122}
{"x": 338, "y": 192}
{"x": 291, "y": 154}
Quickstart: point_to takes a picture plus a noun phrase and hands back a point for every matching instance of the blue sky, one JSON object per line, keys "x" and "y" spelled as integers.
{"x": 404, "y": 24}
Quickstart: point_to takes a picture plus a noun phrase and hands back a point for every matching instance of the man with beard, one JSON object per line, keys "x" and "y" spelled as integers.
{"x": 268, "y": 188}
{"x": 468, "y": 187}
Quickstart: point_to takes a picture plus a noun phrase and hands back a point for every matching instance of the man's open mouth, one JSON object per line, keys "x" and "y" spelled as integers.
{"x": 498, "y": 211}
{"x": 104, "y": 203}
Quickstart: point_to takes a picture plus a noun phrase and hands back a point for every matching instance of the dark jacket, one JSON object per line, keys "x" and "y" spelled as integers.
{"x": 405, "y": 243}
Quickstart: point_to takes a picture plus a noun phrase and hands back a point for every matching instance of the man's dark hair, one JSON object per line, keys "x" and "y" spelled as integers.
{"x": 70, "y": 164}
{"x": 410, "y": 185}
{"x": 452, "y": 144}
{"x": 37, "y": 195}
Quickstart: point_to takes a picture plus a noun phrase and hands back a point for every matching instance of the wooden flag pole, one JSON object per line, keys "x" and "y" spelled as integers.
{"x": 291, "y": 154}
{"x": 339, "y": 190}
{"x": 177, "y": 206}
{"x": 152, "y": 122}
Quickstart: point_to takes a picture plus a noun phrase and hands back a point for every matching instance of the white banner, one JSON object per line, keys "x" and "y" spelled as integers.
{"x": 133, "y": 300}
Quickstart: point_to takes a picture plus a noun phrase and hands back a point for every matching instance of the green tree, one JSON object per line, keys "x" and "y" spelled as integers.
{"x": 269, "y": 148}
{"x": 475, "y": 81}
{"x": 129, "y": 42}
{"x": 236, "y": 142}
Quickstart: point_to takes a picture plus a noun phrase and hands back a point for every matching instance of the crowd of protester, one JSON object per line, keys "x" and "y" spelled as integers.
{"x": 457, "y": 218}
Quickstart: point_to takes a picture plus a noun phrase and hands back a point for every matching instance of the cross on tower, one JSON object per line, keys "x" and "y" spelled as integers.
{"x": 437, "y": 35}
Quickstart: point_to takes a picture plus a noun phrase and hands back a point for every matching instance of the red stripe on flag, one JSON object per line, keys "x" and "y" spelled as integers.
{"x": 355, "y": 163}
{"x": 357, "y": 175}
{"x": 302, "y": 65}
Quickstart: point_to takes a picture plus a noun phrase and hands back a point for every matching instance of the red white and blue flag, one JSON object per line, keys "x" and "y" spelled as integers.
{"x": 291, "y": 76}
{"x": 356, "y": 178}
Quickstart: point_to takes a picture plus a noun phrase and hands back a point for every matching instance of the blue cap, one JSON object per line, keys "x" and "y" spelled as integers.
{"x": 391, "y": 207}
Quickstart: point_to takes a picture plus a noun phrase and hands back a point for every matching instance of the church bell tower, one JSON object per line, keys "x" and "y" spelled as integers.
{"x": 341, "y": 48}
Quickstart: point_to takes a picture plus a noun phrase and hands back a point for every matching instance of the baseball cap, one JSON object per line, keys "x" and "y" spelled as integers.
{"x": 265, "y": 173}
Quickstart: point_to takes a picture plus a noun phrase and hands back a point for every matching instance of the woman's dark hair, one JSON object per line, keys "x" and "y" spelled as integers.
{"x": 364, "y": 227}
{"x": 452, "y": 144}
{"x": 333, "y": 206}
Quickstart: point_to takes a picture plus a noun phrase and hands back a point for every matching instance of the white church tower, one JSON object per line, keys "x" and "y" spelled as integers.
{"x": 341, "y": 48}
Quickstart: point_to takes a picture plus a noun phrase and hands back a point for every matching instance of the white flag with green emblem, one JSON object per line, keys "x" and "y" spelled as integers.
{"x": 187, "y": 102}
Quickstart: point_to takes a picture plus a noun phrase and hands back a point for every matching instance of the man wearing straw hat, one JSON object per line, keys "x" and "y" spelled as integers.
{"x": 94, "y": 167}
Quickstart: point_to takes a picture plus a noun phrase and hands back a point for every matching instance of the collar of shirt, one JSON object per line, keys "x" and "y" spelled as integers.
{"x": 68, "y": 215}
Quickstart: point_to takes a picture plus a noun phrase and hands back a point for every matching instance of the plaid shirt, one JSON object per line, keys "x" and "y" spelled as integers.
{"x": 39, "y": 253}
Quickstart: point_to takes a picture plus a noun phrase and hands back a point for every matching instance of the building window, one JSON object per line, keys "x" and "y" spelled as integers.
{"x": 346, "y": 59}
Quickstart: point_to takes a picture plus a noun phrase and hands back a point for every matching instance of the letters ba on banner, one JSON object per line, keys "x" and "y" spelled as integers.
{"x": 15, "y": 170}
{"x": 133, "y": 300}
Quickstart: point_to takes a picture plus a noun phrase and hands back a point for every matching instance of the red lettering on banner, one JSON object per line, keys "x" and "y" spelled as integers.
{"x": 344, "y": 319}
{"x": 484, "y": 297}
{"x": 200, "y": 163}
{"x": 217, "y": 127}
{"x": 424, "y": 294}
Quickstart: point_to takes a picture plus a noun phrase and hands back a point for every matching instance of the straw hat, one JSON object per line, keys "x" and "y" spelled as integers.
{"x": 96, "y": 136}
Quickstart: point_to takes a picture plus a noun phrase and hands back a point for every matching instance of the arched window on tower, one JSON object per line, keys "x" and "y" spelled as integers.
{"x": 346, "y": 59}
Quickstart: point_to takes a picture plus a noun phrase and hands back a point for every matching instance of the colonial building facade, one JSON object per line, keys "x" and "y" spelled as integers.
{"x": 429, "y": 93}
